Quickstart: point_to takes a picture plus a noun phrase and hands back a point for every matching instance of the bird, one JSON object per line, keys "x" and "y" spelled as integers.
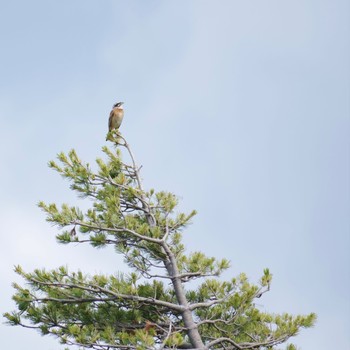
{"x": 116, "y": 116}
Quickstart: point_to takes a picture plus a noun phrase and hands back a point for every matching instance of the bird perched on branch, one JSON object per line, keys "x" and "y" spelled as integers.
{"x": 116, "y": 117}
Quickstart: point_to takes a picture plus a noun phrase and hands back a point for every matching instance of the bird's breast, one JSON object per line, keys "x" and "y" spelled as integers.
{"x": 115, "y": 118}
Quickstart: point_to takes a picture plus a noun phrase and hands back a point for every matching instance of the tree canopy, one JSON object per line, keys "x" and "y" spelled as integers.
{"x": 155, "y": 305}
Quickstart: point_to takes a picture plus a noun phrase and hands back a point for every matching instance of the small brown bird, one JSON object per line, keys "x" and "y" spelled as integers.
{"x": 116, "y": 116}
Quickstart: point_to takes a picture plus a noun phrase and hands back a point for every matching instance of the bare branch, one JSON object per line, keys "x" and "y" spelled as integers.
{"x": 224, "y": 340}
{"x": 116, "y": 230}
{"x": 97, "y": 289}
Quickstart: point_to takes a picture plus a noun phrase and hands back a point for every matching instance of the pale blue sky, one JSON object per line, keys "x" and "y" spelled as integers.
{"x": 239, "y": 107}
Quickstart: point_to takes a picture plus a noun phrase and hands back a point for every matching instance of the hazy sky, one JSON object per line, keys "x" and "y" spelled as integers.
{"x": 239, "y": 107}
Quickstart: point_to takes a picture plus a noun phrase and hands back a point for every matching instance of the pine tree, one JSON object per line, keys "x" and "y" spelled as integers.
{"x": 155, "y": 306}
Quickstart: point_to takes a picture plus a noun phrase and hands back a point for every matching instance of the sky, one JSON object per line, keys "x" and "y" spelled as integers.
{"x": 241, "y": 108}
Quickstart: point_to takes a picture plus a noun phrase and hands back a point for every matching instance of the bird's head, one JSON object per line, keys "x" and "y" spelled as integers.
{"x": 118, "y": 105}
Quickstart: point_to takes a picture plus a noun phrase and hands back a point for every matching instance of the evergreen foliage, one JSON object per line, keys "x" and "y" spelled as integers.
{"x": 154, "y": 306}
